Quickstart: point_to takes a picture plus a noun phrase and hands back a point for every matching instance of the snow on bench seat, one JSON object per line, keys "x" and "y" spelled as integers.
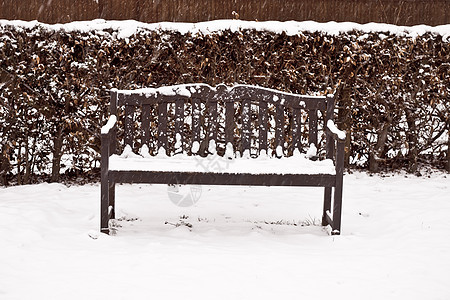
{"x": 297, "y": 164}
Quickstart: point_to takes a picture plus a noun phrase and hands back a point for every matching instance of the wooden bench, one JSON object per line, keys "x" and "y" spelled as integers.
{"x": 262, "y": 131}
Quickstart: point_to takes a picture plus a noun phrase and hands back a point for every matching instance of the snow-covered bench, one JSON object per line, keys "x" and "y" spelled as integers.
{"x": 240, "y": 135}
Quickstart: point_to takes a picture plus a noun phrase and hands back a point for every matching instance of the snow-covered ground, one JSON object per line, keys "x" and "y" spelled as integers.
{"x": 233, "y": 243}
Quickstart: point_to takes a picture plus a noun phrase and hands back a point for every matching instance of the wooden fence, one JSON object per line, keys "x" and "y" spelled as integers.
{"x": 400, "y": 12}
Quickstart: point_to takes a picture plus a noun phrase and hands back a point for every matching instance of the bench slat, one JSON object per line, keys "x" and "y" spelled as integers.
{"x": 162, "y": 125}
{"x": 299, "y": 101}
{"x": 279, "y": 127}
{"x": 324, "y": 180}
{"x": 246, "y": 125}
{"x": 296, "y": 129}
{"x": 227, "y": 94}
{"x": 263, "y": 124}
{"x": 129, "y": 120}
{"x": 229, "y": 122}
{"x": 213, "y": 121}
{"x": 146, "y": 124}
{"x": 196, "y": 121}
{"x": 274, "y": 96}
{"x": 312, "y": 114}
{"x": 179, "y": 122}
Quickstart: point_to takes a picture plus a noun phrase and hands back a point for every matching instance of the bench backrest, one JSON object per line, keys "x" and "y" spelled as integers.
{"x": 200, "y": 113}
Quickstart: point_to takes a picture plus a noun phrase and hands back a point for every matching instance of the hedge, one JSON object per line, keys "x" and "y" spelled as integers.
{"x": 393, "y": 91}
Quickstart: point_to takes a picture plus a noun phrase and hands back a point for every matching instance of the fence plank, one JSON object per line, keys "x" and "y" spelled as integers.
{"x": 400, "y": 12}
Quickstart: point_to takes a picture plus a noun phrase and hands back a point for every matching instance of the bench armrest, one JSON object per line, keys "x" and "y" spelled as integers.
{"x": 337, "y": 148}
{"x": 106, "y": 129}
{"x": 337, "y": 134}
{"x": 108, "y": 139}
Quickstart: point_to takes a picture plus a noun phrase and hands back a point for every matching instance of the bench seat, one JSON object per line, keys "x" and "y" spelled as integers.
{"x": 297, "y": 164}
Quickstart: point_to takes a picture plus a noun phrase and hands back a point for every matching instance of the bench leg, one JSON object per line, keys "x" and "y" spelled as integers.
{"x": 337, "y": 209}
{"x": 112, "y": 199}
{"x": 326, "y": 205}
{"x": 104, "y": 206}
{"x": 337, "y": 201}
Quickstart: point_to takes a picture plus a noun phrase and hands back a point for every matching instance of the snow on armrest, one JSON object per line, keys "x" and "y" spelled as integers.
{"x": 109, "y": 125}
{"x": 333, "y": 128}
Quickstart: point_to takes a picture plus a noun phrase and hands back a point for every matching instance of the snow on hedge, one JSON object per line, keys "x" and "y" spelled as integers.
{"x": 127, "y": 28}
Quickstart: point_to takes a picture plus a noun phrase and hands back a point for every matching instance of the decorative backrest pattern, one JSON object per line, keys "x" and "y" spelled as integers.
{"x": 189, "y": 116}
